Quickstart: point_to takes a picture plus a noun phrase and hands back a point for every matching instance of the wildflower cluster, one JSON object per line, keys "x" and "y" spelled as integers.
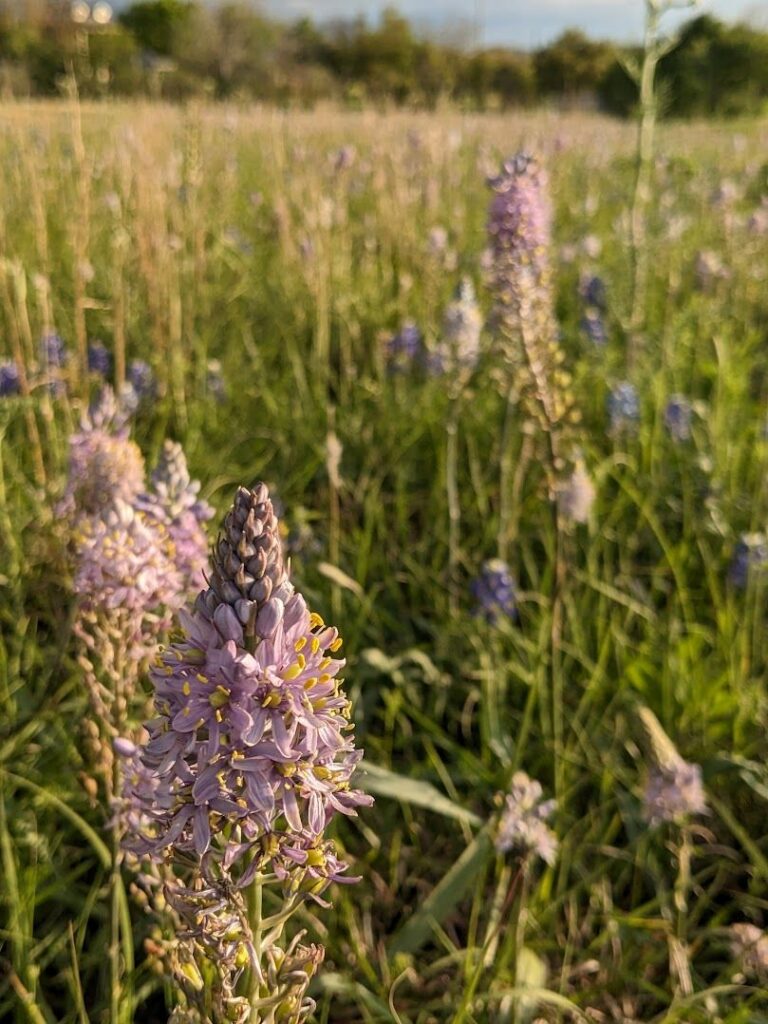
{"x": 136, "y": 552}
{"x": 248, "y": 758}
{"x": 519, "y": 226}
{"x": 523, "y": 824}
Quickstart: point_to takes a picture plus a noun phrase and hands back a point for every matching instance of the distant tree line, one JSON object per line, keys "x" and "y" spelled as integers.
{"x": 179, "y": 49}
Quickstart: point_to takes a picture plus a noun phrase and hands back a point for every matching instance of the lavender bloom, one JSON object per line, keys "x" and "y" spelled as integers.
{"x": 9, "y": 379}
{"x": 104, "y": 465}
{"x": 593, "y": 325}
{"x": 623, "y": 407}
{"x": 53, "y": 352}
{"x": 125, "y": 561}
{"x": 750, "y": 555}
{"x": 141, "y": 378}
{"x": 99, "y": 359}
{"x": 519, "y": 226}
{"x": 677, "y": 418}
{"x": 749, "y": 945}
{"x": 406, "y": 348}
{"x": 494, "y": 591}
{"x": 344, "y": 158}
{"x": 252, "y": 742}
{"x": 459, "y": 347}
{"x": 674, "y": 793}
{"x": 173, "y": 499}
{"x": 523, "y": 824}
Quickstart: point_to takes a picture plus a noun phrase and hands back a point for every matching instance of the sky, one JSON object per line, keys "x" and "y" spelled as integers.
{"x": 524, "y": 23}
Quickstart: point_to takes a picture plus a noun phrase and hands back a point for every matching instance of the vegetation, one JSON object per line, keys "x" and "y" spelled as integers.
{"x": 261, "y": 265}
{"x": 181, "y": 49}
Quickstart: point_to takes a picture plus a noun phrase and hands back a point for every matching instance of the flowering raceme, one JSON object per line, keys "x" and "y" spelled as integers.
{"x": 104, "y": 464}
{"x": 249, "y": 757}
{"x": 173, "y": 499}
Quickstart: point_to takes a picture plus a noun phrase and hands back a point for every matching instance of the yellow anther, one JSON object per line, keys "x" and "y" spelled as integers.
{"x": 325, "y": 678}
{"x": 315, "y": 645}
{"x": 315, "y": 620}
{"x": 292, "y": 672}
{"x": 186, "y": 689}
{"x": 300, "y": 644}
{"x": 272, "y": 700}
{"x": 201, "y": 678}
{"x": 336, "y": 644}
{"x": 325, "y": 663}
{"x": 311, "y": 682}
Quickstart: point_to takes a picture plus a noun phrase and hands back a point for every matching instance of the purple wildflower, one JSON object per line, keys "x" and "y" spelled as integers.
{"x": 251, "y": 744}
{"x": 142, "y": 379}
{"x": 519, "y": 226}
{"x": 405, "y": 348}
{"x": 104, "y": 465}
{"x": 53, "y": 351}
{"x": 677, "y": 418}
{"x": 125, "y": 561}
{"x": 623, "y": 407}
{"x": 99, "y": 359}
{"x": 494, "y": 591}
{"x": 750, "y": 555}
{"x": 173, "y": 499}
{"x": 523, "y": 823}
{"x": 674, "y": 793}
{"x": 593, "y": 325}
{"x": 9, "y": 379}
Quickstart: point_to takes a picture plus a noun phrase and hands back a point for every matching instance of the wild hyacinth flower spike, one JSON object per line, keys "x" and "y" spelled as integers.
{"x": 173, "y": 498}
{"x": 251, "y": 756}
{"x": 104, "y": 464}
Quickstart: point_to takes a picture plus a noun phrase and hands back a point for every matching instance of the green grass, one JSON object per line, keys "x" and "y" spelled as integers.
{"x": 140, "y": 227}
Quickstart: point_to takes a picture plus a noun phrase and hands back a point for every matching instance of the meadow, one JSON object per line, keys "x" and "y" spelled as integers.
{"x": 263, "y": 265}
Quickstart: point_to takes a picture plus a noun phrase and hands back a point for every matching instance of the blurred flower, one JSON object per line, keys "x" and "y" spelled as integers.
{"x": 523, "y": 824}
{"x": 591, "y": 246}
{"x": 173, "y": 499}
{"x": 344, "y": 158}
{"x": 677, "y": 418}
{"x": 53, "y": 351}
{"x": 99, "y": 359}
{"x": 593, "y": 325}
{"x": 709, "y": 269}
{"x": 9, "y": 379}
{"x": 623, "y": 407}
{"x": 125, "y": 561}
{"x": 576, "y": 495}
{"x": 104, "y": 465}
{"x": 214, "y": 381}
{"x": 405, "y": 348}
{"x": 749, "y": 946}
{"x": 674, "y": 793}
{"x": 494, "y": 591}
{"x": 459, "y": 346}
{"x": 592, "y": 291}
{"x": 750, "y": 555}
{"x": 141, "y": 379}
{"x": 437, "y": 241}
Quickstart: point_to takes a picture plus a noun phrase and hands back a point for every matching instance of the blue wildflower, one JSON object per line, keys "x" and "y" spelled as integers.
{"x": 623, "y": 407}
{"x": 677, "y": 418}
{"x": 494, "y": 591}
{"x": 99, "y": 359}
{"x": 593, "y": 325}
{"x": 9, "y": 379}
{"x": 53, "y": 351}
{"x": 750, "y": 554}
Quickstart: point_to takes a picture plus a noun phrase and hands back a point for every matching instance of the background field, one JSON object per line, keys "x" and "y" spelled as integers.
{"x": 189, "y": 236}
